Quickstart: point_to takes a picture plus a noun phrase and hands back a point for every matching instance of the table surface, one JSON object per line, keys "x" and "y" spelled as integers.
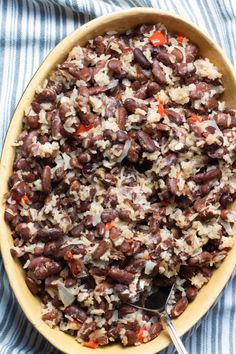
{"x": 29, "y": 30}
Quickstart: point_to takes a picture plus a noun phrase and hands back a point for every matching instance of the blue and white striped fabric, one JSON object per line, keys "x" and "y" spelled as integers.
{"x": 29, "y": 30}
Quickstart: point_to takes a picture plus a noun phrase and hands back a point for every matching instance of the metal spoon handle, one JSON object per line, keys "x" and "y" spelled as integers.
{"x": 173, "y": 334}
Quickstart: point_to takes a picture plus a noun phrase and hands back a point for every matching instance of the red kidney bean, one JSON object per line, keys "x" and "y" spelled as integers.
{"x": 178, "y": 54}
{"x": 101, "y": 229}
{"x": 131, "y": 105}
{"x": 102, "y": 247}
{"x": 170, "y": 160}
{"x": 77, "y": 230}
{"x": 50, "y": 248}
{"x": 184, "y": 70}
{"x": 10, "y": 212}
{"x": 46, "y": 95}
{"x": 33, "y": 121}
{"x": 115, "y": 67}
{"x": 200, "y": 259}
{"x": 131, "y": 337}
{"x": 76, "y": 313}
{"x": 43, "y": 267}
{"x": 108, "y": 215}
{"x": 191, "y": 52}
{"x": 46, "y": 180}
{"x": 122, "y": 292}
{"x": 29, "y": 141}
{"x": 208, "y": 176}
{"x": 165, "y": 58}
{"x": 121, "y": 117}
{"x": 32, "y": 285}
{"x": 56, "y": 126}
{"x": 36, "y": 106}
{"x": 180, "y": 306}
{"x": 174, "y": 116}
{"x": 153, "y": 88}
{"x": 225, "y": 120}
{"x": 158, "y": 73}
{"x": 23, "y": 230}
{"x": 146, "y": 141}
{"x": 125, "y": 309}
{"x": 51, "y": 234}
{"x": 198, "y": 92}
{"x": 172, "y": 185}
{"x": 141, "y": 59}
{"x": 155, "y": 329}
{"x": 191, "y": 292}
{"x": 69, "y": 282}
{"x": 121, "y": 275}
{"x": 205, "y": 189}
{"x": 51, "y": 316}
{"x": 225, "y": 200}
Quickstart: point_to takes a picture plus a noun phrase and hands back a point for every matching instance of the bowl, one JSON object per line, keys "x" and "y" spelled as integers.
{"x": 118, "y": 21}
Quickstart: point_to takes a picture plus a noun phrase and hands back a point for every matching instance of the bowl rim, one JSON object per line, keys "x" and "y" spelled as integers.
{"x": 71, "y": 37}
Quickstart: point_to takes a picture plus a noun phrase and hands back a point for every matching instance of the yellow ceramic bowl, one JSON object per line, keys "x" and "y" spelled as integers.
{"x": 118, "y": 21}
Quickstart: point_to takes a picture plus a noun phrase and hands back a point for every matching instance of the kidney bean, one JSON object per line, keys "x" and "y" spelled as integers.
{"x": 121, "y": 117}
{"x": 202, "y": 258}
{"x": 51, "y": 234}
{"x": 172, "y": 185}
{"x": 100, "y": 228}
{"x": 115, "y": 67}
{"x": 225, "y": 200}
{"x": 77, "y": 230}
{"x": 33, "y": 121}
{"x": 69, "y": 282}
{"x": 76, "y": 313}
{"x": 29, "y": 141}
{"x": 51, "y": 247}
{"x": 180, "y": 306}
{"x": 43, "y": 267}
{"x": 198, "y": 92}
{"x": 122, "y": 136}
{"x": 140, "y": 58}
{"x": 174, "y": 116}
{"x": 158, "y": 73}
{"x": 122, "y": 292}
{"x": 32, "y": 285}
{"x": 124, "y": 215}
{"x": 146, "y": 141}
{"x": 191, "y": 292}
{"x": 191, "y": 52}
{"x": 131, "y": 337}
{"x": 121, "y": 275}
{"x": 35, "y": 106}
{"x": 155, "y": 329}
{"x": 164, "y": 58}
{"x": 46, "y": 95}
{"x": 170, "y": 160}
{"x": 23, "y": 230}
{"x": 205, "y": 189}
{"x": 208, "y": 176}
{"x": 131, "y": 105}
{"x": 10, "y": 212}
{"x": 84, "y": 74}
{"x": 125, "y": 309}
{"x": 51, "y": 316}
{"x": 46, "y": 180}
{"x": 184, "y": 70}
{"x": 108, "y": 215}
{"x": 153, "y": 88}
{"x": 102, "y": 247}
{"x": 225, "y": 120}
{"x": 178, "y": 54}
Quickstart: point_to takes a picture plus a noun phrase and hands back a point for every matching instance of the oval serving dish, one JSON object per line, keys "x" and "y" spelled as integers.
{"x": 118, "y": 21}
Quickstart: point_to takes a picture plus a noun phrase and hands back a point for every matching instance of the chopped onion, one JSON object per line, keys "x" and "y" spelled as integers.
{"x": 226, "y": 225}
{"x": 112, "y": 84}
{"x": 125, "y": 151}
{"x": 65, "y": 295}
{"x": 149, "y": 266}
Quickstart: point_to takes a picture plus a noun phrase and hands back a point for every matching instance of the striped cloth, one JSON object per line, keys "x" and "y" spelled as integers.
{"x": 29, "y": 30}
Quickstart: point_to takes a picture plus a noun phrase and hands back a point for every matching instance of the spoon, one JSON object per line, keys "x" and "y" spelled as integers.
{"x": 157, "y": 303}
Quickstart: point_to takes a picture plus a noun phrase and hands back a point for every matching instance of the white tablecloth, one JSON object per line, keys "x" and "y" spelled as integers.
{"x": 29, "y": 30}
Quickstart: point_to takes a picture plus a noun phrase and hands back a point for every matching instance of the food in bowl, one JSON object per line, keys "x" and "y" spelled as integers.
{"x": 121, "y": 183}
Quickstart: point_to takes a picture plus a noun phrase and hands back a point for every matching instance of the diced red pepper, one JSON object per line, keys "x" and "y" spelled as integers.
{"x": 180, "y": 39}
{"x": 194, "y": 119}
{"x": 139, "y": 334}
{"x": 20, "y": 198}
{"x": 157, "y": 39}
{"x": 68, "y": 255}
{"x": 83, "y": 128}
{"x": 91, "y": 344}
{"x": 73, "y": 267}
{"x": 109, "y": 225}
{"x": 160, "y": 110}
